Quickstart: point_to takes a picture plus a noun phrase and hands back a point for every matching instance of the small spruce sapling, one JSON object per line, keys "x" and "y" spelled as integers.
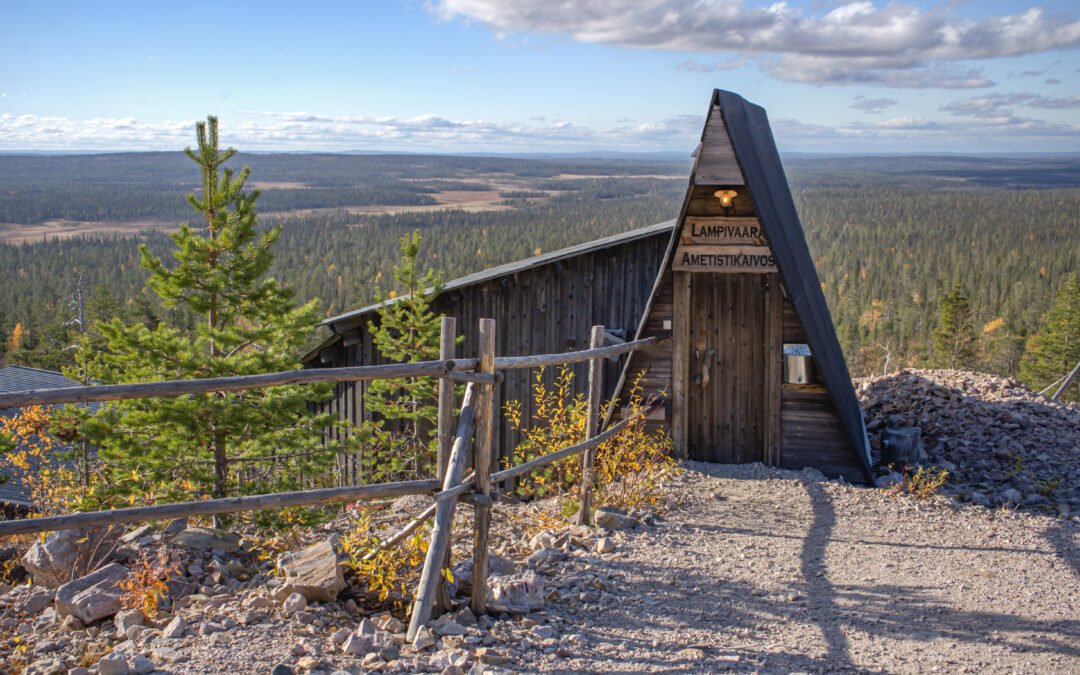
{"x": 406, "y": 330}
{"x": 250, "y": 324}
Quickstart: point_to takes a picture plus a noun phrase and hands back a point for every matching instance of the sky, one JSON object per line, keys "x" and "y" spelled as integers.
{"x": 535, "y": 76}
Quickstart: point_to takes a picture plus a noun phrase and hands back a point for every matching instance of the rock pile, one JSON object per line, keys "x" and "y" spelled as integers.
{"x": 1002, "y": 444}
{"x": 297, "y": 614}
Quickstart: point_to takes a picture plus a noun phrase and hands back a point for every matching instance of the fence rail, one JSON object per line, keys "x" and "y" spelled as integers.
{"x": 474, "y": 430}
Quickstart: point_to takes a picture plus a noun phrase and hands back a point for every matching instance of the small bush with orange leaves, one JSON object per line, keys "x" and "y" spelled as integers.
{"x": 628, "y": 466}
{"x": 147, "y": 581}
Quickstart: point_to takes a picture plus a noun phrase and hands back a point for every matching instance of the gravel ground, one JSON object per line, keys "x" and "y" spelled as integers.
{"x": 772, "y": 571}
{"x": 749, "y": 569}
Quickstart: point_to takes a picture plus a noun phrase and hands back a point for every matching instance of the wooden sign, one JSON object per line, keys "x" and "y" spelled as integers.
{"x": 723, "y": 231}
{"x": 731, "y": 259}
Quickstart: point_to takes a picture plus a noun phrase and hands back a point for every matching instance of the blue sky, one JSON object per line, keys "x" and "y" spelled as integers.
{"x": 539, "y": 75}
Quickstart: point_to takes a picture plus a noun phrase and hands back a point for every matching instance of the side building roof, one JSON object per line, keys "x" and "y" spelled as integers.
{"x": 343, "y": 322}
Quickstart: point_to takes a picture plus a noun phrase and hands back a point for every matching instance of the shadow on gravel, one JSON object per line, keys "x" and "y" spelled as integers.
{"x": 817, "y": 587}
{"x": 1063, "y": 538}
{"x": 746, "y": 624}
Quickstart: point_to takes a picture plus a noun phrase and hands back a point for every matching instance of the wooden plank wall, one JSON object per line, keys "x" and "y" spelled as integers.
{"x": 810, "y": 429}
{"x": 545, "y": 309}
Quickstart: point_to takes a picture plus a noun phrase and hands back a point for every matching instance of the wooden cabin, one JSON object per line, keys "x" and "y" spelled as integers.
{"x": 753, "y": 371}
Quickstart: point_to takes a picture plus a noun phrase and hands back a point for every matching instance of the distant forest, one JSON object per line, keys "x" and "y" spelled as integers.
{"x": 890, "y": 236}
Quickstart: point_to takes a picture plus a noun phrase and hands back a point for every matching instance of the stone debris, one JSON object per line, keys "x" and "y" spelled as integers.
{"x": 297, "y": 613}
{"x": 313, "y": 572}
{"x": 1002, "y": 444}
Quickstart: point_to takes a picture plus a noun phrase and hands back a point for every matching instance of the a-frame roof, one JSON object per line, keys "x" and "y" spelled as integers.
{"x": 758, "y": 161}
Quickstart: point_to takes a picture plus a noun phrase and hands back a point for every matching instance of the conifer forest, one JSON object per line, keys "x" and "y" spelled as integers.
{"x": 914, "y": 253}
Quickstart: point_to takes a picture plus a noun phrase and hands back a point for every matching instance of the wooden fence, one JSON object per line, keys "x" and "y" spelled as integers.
{"x": 473, "y": 430}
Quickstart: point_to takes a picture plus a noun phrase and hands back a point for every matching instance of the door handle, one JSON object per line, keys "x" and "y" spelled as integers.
{"x": 706, "y": 364}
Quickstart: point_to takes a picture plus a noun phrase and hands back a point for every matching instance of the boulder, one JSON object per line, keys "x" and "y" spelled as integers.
{"x": 95, "y": 596}
{"x": 520, "y": 593}
{"x": 611, "y": 519}
{"x": 313, "y": 572}
{"x": 51, "y": 562}
{"x": 207, "y": 538}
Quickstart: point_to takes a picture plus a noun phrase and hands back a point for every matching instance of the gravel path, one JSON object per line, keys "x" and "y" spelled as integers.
{"x": 765, "y": 570}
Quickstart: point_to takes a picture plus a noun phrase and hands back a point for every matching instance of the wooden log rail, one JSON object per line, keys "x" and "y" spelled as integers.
{"x": 211, "y": 507}
{"x": 449, "y": 369}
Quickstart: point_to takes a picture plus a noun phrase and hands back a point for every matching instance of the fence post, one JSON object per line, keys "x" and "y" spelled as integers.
{"x": 588, "y": 459}
{"x": 447, "y": 350}
{"x": 439, "y": 548}
{"x": 485, "y": 429}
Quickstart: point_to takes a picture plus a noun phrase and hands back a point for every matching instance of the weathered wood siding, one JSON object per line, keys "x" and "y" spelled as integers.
{"x": 544, "y": 309}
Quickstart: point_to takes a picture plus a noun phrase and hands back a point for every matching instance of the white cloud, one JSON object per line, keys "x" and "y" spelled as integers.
{"x": 992, "y": 105}
{"x": 857, "y": 42}
{"x": 982, "y": 121}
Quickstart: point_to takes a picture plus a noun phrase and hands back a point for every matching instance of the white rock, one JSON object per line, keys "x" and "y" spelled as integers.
{"x": 142, "y": 665}
{"x": 113, "y": 664}
{"x": 605, "y": 545}
{"x": 520, "y": 593}
{"x": 175, "y": 628}
{"x": 294, "y": 603}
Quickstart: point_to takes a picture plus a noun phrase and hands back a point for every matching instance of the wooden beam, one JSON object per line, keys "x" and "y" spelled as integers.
{"x": 409, "y": 528}
{"x": 438, "y": 549}
{"x": 545, "y": 360}
{"x": 445, "y": 433}
{"x": 215, "y": 506}
{"x": 592, "y": 421}
{"x": 485, "y": 440}
{"x": 774, "y": 338}
{"x": 117, "y": 392}
{"x": 680, "y": 362}
{"x": 1067, "y": 383}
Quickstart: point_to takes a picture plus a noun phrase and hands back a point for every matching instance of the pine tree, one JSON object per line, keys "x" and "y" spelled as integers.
{"x": 1055, "y": 349}
{"x": 954, "y": 337}
{"x": 406, "y": 331}
{"x": 249, "y": 325}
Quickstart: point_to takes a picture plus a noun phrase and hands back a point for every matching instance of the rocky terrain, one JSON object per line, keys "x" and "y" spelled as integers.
{"x": 750, "y": 569}
{"x": 743, "y": 568}
{"x": 1002, "y": 444}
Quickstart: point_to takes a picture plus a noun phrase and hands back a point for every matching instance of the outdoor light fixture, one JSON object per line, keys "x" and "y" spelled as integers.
{"x": 727, "y": 198}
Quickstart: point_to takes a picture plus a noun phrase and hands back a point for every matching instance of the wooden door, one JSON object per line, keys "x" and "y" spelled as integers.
{"x": 728, "y": 412}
